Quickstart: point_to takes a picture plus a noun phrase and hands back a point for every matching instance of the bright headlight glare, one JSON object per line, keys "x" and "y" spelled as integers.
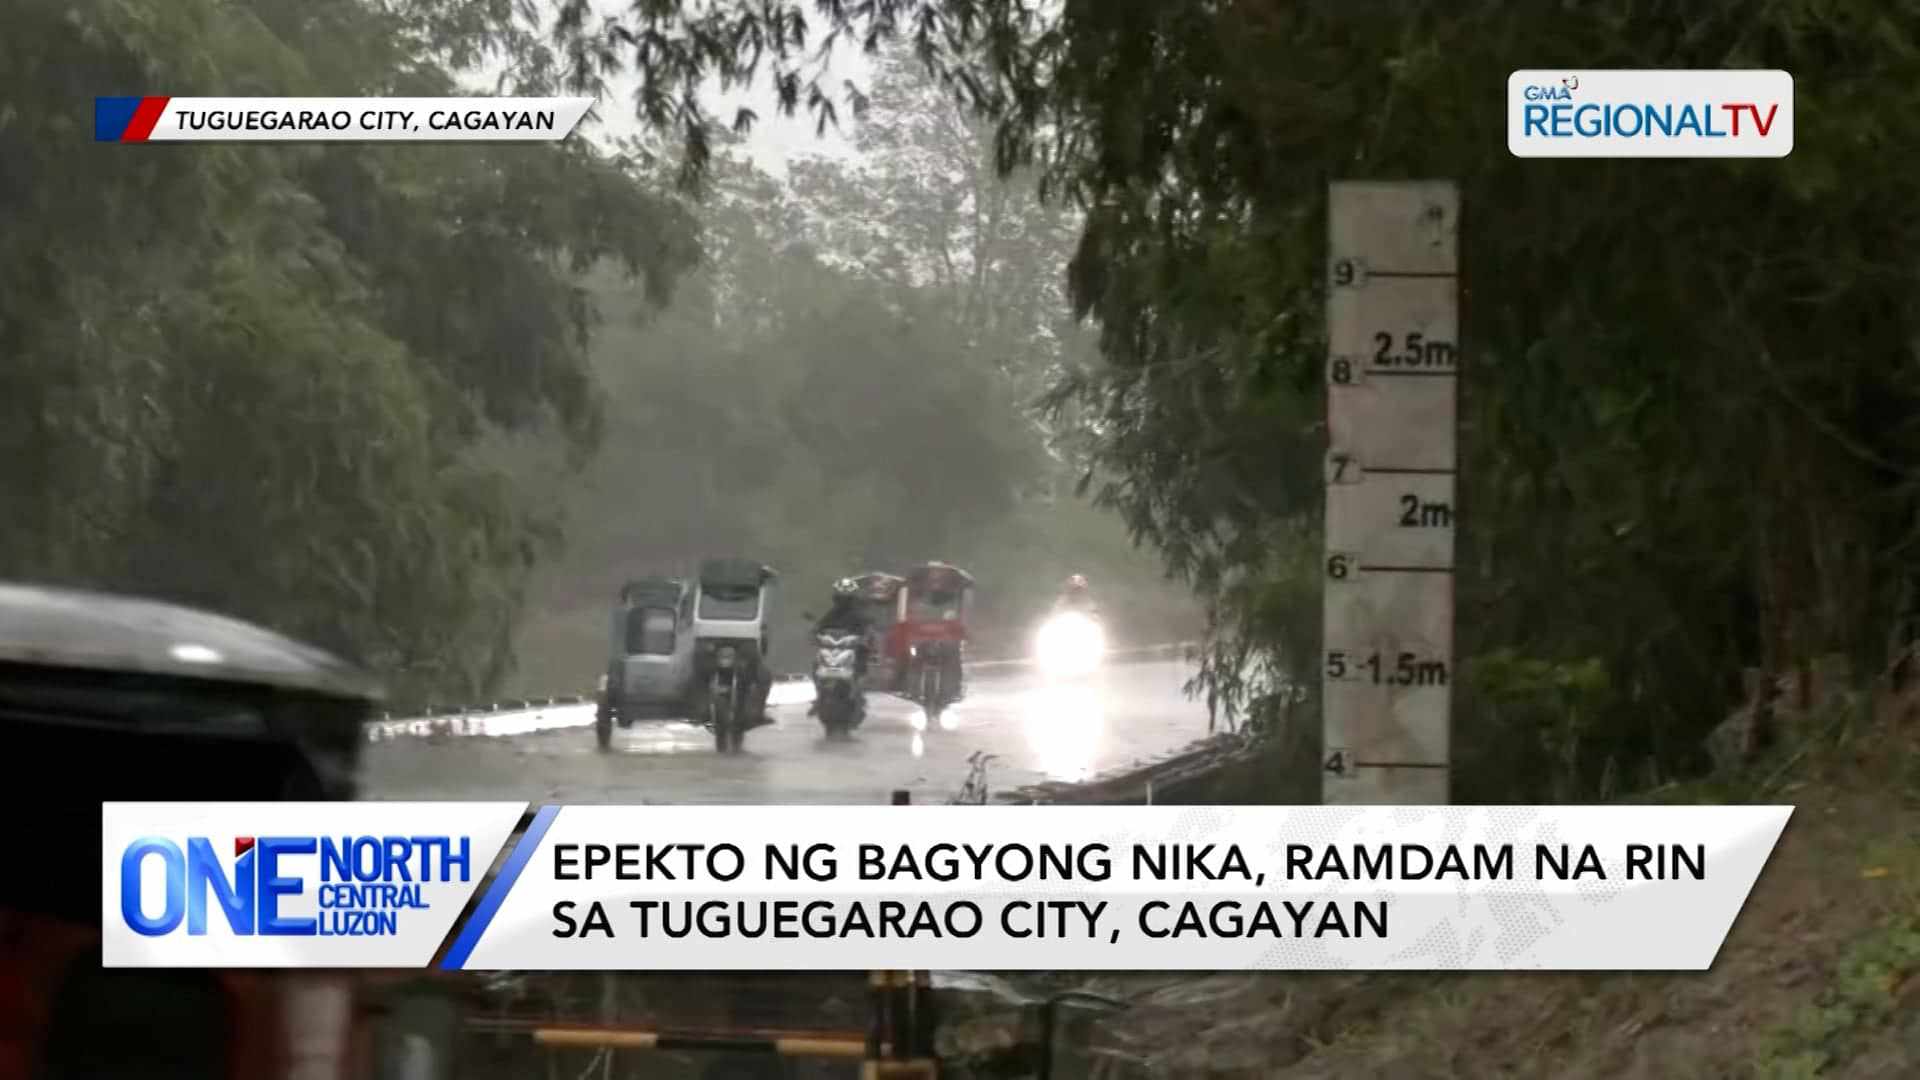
{"x": 1070, "y": 643}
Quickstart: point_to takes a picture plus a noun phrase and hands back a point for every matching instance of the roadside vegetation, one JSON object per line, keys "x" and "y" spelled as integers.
{"x": 428, "y": 404}
{"x": 1820, "y": 976}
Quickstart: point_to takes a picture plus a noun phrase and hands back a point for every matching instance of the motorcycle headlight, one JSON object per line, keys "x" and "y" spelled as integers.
{"x": 1070, "y": 644}
{"x": 724, "y": 656}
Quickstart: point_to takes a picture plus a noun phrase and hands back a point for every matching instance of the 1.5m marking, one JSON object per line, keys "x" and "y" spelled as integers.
{"x": 1405, "y": 669}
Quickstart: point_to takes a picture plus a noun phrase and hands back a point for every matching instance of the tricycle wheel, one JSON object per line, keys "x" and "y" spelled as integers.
{"x": 723, "y": 713}
{"x": 603, "y": 725}
{"x": 738, "y": 704}
{"x": 932, "y": 699}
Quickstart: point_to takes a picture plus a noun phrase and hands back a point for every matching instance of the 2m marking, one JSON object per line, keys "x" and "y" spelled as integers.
{"x": 1418, "y": 513}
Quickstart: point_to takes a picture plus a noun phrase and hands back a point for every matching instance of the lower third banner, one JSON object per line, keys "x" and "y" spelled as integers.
{"x": 1119, "y": 888}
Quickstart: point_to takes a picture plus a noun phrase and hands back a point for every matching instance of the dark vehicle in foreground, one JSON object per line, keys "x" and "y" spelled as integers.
{"x": 109, "y": 698}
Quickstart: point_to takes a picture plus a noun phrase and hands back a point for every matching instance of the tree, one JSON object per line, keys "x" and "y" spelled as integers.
{"x": 1636, "y": 328}
{"x": 791, "y": 407}
{"x": 923, "y": 207}
{"x": 258, "y": 377}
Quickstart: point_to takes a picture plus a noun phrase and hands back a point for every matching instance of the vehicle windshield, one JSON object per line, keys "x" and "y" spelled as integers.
{"x": 650, "y": 631}
{"x": 729, "y": 603}
{"x": 934, "y": 606}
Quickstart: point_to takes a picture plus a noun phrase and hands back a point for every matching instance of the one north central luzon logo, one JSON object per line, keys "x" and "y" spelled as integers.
{"x": 1555, "y": 111}
{"x": 269, "y": 885}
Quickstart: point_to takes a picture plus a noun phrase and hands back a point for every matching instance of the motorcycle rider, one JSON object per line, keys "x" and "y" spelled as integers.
{"x": 845, "y": 615}
{"x": 1076, "y": 596}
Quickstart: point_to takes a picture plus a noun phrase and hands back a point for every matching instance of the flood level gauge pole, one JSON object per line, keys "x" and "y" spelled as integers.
{"x": 1392, "y": 369}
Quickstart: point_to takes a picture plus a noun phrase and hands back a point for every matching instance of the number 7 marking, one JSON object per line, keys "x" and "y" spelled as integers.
{"x": 1342, "y": 468}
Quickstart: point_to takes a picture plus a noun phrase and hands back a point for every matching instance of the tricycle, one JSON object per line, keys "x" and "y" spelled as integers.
{"x": 650, "y": 670}
{"x": 731, "y": 677}
{"x": 928, "y": 642}
{"x": 691, "y": 649}
{"x": 880, "y": 600}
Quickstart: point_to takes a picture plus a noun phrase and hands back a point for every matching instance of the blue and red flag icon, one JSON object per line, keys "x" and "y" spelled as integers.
{"x": 126, "y": 119}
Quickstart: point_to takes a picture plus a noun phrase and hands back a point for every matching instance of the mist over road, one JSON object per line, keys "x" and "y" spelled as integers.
{"x": 1130, "y": 712}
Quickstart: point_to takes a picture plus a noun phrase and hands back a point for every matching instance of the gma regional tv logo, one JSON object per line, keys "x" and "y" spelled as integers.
{"x": 286, "y": 886}
{"x": 1650, "y": 114}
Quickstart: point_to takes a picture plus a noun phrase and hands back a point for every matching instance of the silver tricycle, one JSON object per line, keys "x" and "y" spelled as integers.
{"x": 650, "y": 670}
{"x": 731, "y": 677}
{"x": 691, "y": 650}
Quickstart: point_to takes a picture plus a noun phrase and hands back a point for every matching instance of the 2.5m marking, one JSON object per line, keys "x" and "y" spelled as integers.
{"x": 1413, "y": 352}
{"x": 1405, "y": 669}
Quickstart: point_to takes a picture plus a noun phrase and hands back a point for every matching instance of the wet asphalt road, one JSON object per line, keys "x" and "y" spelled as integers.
{"x": 1127, "y": 713}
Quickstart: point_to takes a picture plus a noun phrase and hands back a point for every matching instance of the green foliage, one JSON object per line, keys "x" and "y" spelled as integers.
{"x": 798, "y": 407}
{"x": 255, "y": 377}
{"x": 1688, "y": 416}
{"x": 1862, "y": 996}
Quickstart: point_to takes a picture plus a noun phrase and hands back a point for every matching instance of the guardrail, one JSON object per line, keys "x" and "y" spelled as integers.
{"x": 1168, "y": 650}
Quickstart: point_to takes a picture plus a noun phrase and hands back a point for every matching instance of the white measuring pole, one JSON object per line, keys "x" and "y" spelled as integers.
{"x": 1387, "y": 663}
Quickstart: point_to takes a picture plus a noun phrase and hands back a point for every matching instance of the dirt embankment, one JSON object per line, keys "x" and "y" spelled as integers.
{"x": 1819, "y": 977}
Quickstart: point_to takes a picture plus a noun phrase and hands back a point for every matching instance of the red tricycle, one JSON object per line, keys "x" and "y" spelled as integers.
{"x": 927, "y": 642}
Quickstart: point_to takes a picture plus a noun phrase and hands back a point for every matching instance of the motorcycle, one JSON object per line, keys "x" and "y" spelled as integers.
{"x": 731, "y": 602}
{"x": 837, "y": 694}
{"x": 1070, "y": 645}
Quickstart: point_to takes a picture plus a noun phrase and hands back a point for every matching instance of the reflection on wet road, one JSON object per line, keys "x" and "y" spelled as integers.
{"x": 1127, "y": 713}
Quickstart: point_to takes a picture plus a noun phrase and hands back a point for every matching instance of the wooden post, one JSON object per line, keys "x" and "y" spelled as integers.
{"x": 900, "y": 1039}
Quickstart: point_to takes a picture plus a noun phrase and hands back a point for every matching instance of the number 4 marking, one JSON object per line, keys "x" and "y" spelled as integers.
{"x": 1338, "y": 762}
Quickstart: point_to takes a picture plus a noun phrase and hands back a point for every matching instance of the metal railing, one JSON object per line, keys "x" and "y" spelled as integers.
{"x": 528, "y": 704}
